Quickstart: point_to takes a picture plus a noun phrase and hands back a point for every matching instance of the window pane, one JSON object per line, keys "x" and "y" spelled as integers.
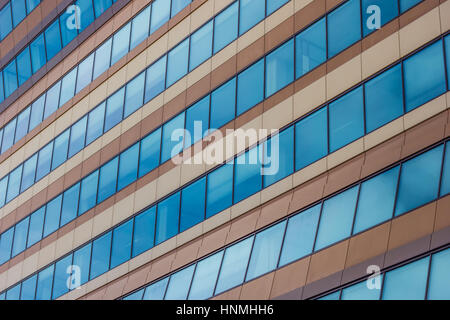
{"x": 167, "y": 220}
{"x": 36, "y": 226}
{"x": 6, "y": 241}
{"x": 121, "y": 43}
{"x": 28, "y": 288}
{"x": 13, "y": 293}
{"x": 250, "y": 87}
{"x": 172, "y": 142}
{"x": 300, "y": 234}
{"x": 407, "y": 4}
{"x": 149, "y": 153}
{"x": 128, "y": 166}
{"x": 88, "y": 194}
{"x": 346, "y": 119}
{"x": 360, "y": 291}
{"x": 280, "y": 68}
{"x": 337, "y": 218}
{"x": 439, "y": 283}
{"x": 156, "y": 79}
{"x": 407, "y": 282}
{"x": 82, "y": 259}
{"x": 85, "y": 72}
{"x": 37, "y": 111}
{"x": 31, "y": 4}
{"x": 68, "y": 87}
{"x": 226, "y": 27}
{"x": 376, "y": 200}
{"x": 234, "y": 265}
{"x": 160, "y": 14}
{"x": 2, "y": 94}
{"x": 102, "y": 58}
{"x": 134, "y": 94}
{"x": 87, "y": 15}
{"x": 445, "y": 187}
{"x": 8, "y": 135}
{"x": 344, "y": 27}
{"x": 247, "y": 175}
{"x": 310, "y": 48}
{"x": 108, "y": 179}
{"x": 197, "y": 121}
{"x": 135, "y": 296}
{"x": 388, "y": 11}
{"x": 140, "y": 27}
{"x": 114, "y": 109}
{"x": 20, "y": 236}
{"x": 52, "y": 40}
{"x": 101, "y": 250}
{"x": 95, "y": 123}
{"x": 44, "y": 284}
{"x": 60, "y": 281}
{"x": 419, "y": 180}
{"x": 19, "y": 11}
{"x": 52, "y": 215}
{"x": 156, "y": 291}
{"x": 24, "y": 66}
{"x": 70, "y": 204}
{"x": 29, "y": 171}
{"x": 44, "y": 161}
{"x": 251, "y": 12}
{"x": 424, "y": 76}
{"x": 52, "y": 99}
{"x": 178, "y": 5}
{"x": 68, "y": 26}
{"x": 273, "y": 5}
{"x": 177, "y": 62}
{"x": 10, "y": 76}
{"x": 279, "y": 161}
{"x": 266, "y": 251}
{"x": 205, "y": 277}
{"x": 193, "y": 204}
{"x": 223, "y": 101}
{"x": 77, "y": 136}
{"x": 14, "y": 183}
{"x": 6, "y": 19}
{"x": 144, "y": 231}
{"x": 101, "y": 6}
{"x": 37, "y": 48}
{"x": 179, "y": 284}
{"x": 201, "y": 45}
{"x": 447, "y": 57}
{"x": 121, "y": 244}
{"x": 61, "y": 148}
{"x": 219, "y": 190}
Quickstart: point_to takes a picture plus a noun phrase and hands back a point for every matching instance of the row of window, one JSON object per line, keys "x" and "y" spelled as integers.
{"x": 370, "y": 105}
{"x": 424, "y": 279}
{"x": 354, "y": 210}
{"x": 13, "y": 13}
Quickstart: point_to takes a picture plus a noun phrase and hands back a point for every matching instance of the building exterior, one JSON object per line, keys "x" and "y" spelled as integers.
{"x": 224, "y": 149}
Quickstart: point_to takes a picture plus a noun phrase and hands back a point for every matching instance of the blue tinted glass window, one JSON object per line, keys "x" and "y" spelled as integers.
{"x": 179, "y": 284}
{"x": 197, "y": 121}
{"x": 160, "y": 14}
{"x": 61, "y": 148}
{"x": 219, "y": 190}
{"x": 178, "y": 5}
{"x": 95, "y": 123}
{"x": 2, "y": 94}
{"x": 102, "y": 58}
{"x": 201, "y": 45}
{"x": 8, "y": 135}
{"x": 273, "y": 5}
{"x": 234, "y": 265}
{"x": 300, "y": 234}
{"x": 6, "y": 241}
{"x": 424, "y": 76}
{"x": 193, "y": 204}
{"x": 85, "y": 72}
{"x": 31, "y": 4}
{"x": 167, "y": 220}
{"x": 360, "y": 291}
{"x": 88, "y": 194}
{"x": 445, "y": 186}
{"x": 223, "y": 101}
{"x": 6, "y": 19}
{"x": 44, "y": 284}
{"x": 20, "y": 236}
{"x": 346, "y": 119}
{"x": 24, "y": 66}
{"x": 388, "y": 10}
{"x": 67, "y": 22}
{"x": 128, "y": 166}
{"x": 22, "y": 124}
{"x": 14, "y": 183}
{"x": 447, "y": 57}
{"x": 87, "y": 15}
{"x": 52, "y": 99}
{"x": 52, "y": 216}
{"x": 121, "y": 243}
{"x": 37, "y": 111}
{"x": 376, "y": 200}
{"x": 251, "y": 12}
{"x": 108, "y": 179}
{"x": 384, "y": 98}
{"x": 101, "y": 6}
{"x": 398, "y": 284}
{"x": 226, "y": 27}
{"x": 407, "y": 4}
{"x": 250, "y": 87}
{"x": 10, "y": 78}
{"x": 29, "y": 170}
{"x": 266, "y": 250}
{"x": 101, "y": 251}
{"x": 140, "y": 27}
{"x": 177, "y": 64}
{"x": 19, "y": 11}
{"x": 134, "y": 94}
{"x": 13, "y": 293}
{"x": 156, "y": 79}
{"x": 44, "y": 161}
{"x": 344, "y": 27}
{"x": 419, "y": 180}
{"x": 36, "y": 226}
{"x": 70, "y": 204}
{"x": 205, "y": 277}
{"x": 37, "y": 48}
{"x": 28, "y": 288}
{"x": 68, "y": 87}
{"x": 149, "y": 153}
{"x": 60, "y": 279}
{"x": 172, "y": 137}
{"x": 310, "y": 48}
{"x": 121, "y": 43}
{"x": 114, "y": 109}
{"x": 144, "y": 231}
{"x": 52, "y": 40}
{"x": 82, "y": 258}
{"x": 156, "y": 291}
{"x": 280, "y": 68}
{"x": 279, "y": 157}
{"x": 135, "y": 295}
{"x": 247, "y": 175}
{"x": 337, "y": 218}
{"x": 77, "y": 136}
{"x": 439, "y": 283}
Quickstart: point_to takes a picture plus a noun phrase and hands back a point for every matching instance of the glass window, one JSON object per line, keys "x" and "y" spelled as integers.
{"x": 337, "y": 218}
{"x": 44, "y": 284}
{"x": 140, "y": 27}
{"x": 101, "y": 6}
{"x": 95, "y": 123}
{"x": 251, "y": 12}
{"x": 408, "y": 282}
{"x": 68, "y": 25}
{"x": 149, "y": 153}
{"x": 6, "y": 241}
{"x": 24, "y": 66}
{"x": 346, "y": 119}
{"x": 178, "y": 5}
{"x": 445, "y": 187}
{"x": 68, "y": 87}
{"x": 6, "y": 19}
{"x": 52, "y": 215}
{"x": 344, "y": 27}
{"x": 177, "y": 64}
{"x": 29, "y": 171}
{"x": 388, "y": 10}
{"x": 60, "y": 280}
{"x": 87, "y": 16}
{"x": 31, "y": 4}
{"x": 144, "y": 231}
{"x": 439, "y": 283}
{"x": 135, "y": 295}
{"x": 156, "y": 79}
{"x": 157, "y": 290}
{"x": 114, "y": 109}
{"x": 376, "y": 200}
{"x": 360, "y": 291}
{"x": 3, "y": 186}
{"x": 37, "y": 111}
{"x": 172, "y": 138}
{"x": 108, "y": 179}
{"x": 36, "y": 226}
{"x": 8, "y": 135}
{"x": 37, "y": 48}
{"x": 128, "y": 166}
{"x": 102, "y": 58}
{"x": 197, "y": 121}
{"x": 300, "y": 234}
{"x": 2, "y": 94}
{"x": 234, "y": 265}
{"x": 424, "y": 76}
{"x": 19, "y": 11}
{"x": 447, "y": 57}
{"x": 310, "y": 48}
{"x": 121, "y": 243}
{"x": 205, "y": 277}
{"x": 419, "y": 180}
{"x": 179, "y": 284}
{"x": 82, "y": 259}
{"x": 20, "y": 236}
{"x": 279, "y": 156}
{"x": 88, "y": 194}
{"x": 13, "y": 293}
{"x": 250, "y": 87}
{"x": 52, "y": 40}
{"x": 247, "y": 175}
{"x": 61, "y": 148}
{"x": 219, "y": 190}
{"x": 52, "y": 99}
{"x": 193, "y": 204}
{"x": 77, "y": 136}
{"x": 70, "y": 204}
{"x": 160, "y": 14}
{"x": 273, "y": 5}
{"x": 407, "y": 4}
{"x": 223, "y": 104}
{"x": 226, "y": 27}
{"x": 10, "y": 78}
{"x": 44, "y": 161}
{"x": 85, "y": 72}
{"x": 280, "y": 68}
{"x": 101, "y": 251}
{"x": 201, "y": 45}
{"x": 167, "y": 220}
{"x": 266, "y": 251}
{"x": 121, "y": 43}
{"x": 28, "y": 288}
{"x": 134, "y": 94}
{"x": 14, "y": 183}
